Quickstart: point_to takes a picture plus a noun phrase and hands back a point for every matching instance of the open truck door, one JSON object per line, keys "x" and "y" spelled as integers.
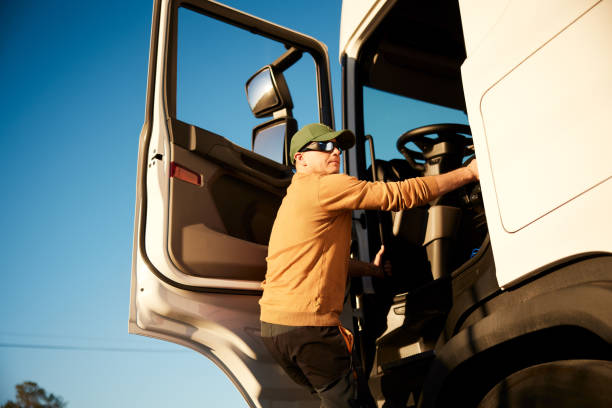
{"x": 206, "y": 200}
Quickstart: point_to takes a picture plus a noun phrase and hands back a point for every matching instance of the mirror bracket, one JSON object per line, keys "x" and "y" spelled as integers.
{"x": 283, "y": 113}
{"x": 290, "y": 57}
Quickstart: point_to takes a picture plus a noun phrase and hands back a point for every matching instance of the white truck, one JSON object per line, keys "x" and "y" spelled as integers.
{"x": 501, "y": 293}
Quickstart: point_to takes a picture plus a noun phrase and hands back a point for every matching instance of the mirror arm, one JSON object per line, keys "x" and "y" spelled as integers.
{"x": 283, "y": 113}
{"x": 290, "y": 57}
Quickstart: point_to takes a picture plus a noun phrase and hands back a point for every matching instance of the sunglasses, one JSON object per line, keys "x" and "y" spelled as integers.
{"x": 328, "y": 146}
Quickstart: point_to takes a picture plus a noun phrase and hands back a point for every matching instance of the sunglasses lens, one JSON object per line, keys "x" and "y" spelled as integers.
{"x": 321, "y": 146}
{"x": 326, "y": 146}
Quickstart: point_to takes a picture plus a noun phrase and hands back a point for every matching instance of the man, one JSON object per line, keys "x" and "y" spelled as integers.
{"x": 308, "y": 258}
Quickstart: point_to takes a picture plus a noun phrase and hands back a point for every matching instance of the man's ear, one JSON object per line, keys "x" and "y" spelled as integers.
{"x": 298, "y": 157}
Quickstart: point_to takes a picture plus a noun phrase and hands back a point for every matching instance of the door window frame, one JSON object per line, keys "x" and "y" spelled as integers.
{"x": 255, "y": 25}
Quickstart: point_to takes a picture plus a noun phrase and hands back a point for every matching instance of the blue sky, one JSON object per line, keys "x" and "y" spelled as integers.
{"x": 73, "y": 83}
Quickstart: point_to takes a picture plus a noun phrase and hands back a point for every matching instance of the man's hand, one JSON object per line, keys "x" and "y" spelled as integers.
{"x": 385, "y": 270}
{"x": 358, "y": 268}
{"x": 473, "y": 167}
{"x": 454, "y": 179}
{"x": 379, "y": 256}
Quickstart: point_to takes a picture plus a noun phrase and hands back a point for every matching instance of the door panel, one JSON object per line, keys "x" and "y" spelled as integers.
{"x": 241, "y": 193}
{"x": 239, "y": 217}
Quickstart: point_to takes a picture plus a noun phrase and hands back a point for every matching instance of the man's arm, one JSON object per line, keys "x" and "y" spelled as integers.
{"x": 342, "y": 192}
{"x": 358, "y": 268}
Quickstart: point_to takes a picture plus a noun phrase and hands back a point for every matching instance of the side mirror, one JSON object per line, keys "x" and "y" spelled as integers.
{"x": 267, "y": 92}
{"x": 272, "y": 139}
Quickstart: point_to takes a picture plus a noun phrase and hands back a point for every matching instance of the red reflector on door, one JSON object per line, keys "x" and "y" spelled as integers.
{"x": 181, "y": 173}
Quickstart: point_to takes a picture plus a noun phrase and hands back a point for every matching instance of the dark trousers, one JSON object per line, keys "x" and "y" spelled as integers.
{"x": 317, "y": 358}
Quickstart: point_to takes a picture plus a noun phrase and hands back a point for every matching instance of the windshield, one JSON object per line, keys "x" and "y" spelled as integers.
{"x": 387, "y": 116}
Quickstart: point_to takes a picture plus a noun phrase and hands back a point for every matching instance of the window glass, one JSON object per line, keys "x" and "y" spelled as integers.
{"x": 214, "y": 62}
{"x": 387, "y": 116}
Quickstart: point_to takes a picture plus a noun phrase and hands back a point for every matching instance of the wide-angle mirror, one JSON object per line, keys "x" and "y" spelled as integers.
{"x": 271, "y": 139}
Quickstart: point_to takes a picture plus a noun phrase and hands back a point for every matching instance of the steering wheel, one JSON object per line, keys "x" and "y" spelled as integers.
{"x": 450, "y": 141}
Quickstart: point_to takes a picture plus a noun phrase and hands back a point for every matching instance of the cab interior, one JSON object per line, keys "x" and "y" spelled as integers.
{"x": 439, "y": 252}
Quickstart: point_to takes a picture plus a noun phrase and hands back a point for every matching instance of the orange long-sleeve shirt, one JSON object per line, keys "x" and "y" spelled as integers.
{"x": 309, "y": 246}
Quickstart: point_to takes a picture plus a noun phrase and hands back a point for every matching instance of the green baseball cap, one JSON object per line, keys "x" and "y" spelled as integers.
{"x": 318, "y": 132}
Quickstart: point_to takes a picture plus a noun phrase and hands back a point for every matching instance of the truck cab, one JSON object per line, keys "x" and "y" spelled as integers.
{"x": 500, "y": 291}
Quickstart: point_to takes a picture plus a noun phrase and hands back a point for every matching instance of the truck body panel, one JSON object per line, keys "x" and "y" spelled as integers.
{"x": 539, "y": 125}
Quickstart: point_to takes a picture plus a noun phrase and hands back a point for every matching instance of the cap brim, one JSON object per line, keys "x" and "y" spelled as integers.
{"x": 345, "y": 138}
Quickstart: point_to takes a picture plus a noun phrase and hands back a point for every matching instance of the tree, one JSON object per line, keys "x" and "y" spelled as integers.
{"x": 30, "y": 395}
